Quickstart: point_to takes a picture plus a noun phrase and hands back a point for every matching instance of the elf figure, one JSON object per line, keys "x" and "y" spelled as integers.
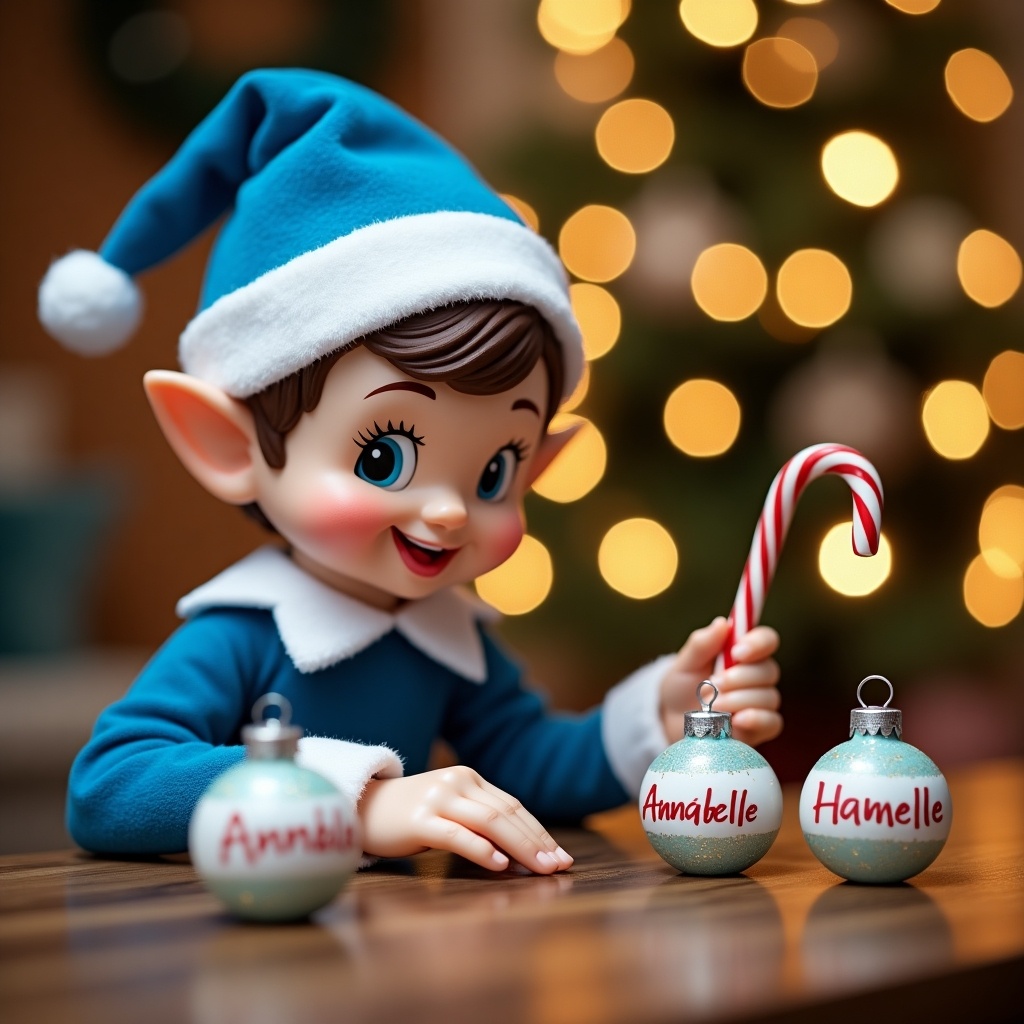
{"x": 379, "y": 349}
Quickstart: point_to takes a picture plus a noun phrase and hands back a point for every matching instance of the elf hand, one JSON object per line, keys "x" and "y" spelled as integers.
{"x": 455, "y": 809}
{"x": 748, "y": 689}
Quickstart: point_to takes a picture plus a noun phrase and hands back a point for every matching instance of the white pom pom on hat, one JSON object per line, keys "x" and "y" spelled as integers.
{"x": 88, "y": 305}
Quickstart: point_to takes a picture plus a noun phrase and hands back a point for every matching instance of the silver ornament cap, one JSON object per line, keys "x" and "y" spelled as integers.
{"x": 707, "y": 722}
{"x": 872, "y": 719}
{"x": 271, "y": 739}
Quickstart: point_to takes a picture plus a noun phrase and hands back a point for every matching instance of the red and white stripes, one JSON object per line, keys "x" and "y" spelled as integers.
{"x": 779, "y": 506}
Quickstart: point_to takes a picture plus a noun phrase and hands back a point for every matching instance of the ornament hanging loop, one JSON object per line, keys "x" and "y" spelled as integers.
{"x": 868, "y": 679}
{"x": 706, "y": 705}
{"x": 274, "y": 700}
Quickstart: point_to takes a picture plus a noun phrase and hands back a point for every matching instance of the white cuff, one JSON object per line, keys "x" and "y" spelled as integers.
{"x": 631, "y": 724}
{"x": 350, "y": 766}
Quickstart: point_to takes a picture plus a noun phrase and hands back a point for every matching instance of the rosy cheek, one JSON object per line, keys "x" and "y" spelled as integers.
{"x": 503, "y": 538}
{"x": 349, "y": 515}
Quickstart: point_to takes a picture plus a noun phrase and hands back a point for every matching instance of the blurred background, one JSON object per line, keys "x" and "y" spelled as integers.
{"x": 785, "y": 221}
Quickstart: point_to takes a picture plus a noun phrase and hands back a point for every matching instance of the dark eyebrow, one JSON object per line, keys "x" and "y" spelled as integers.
{"x": 525, "y": 403}
{"x": 406, "y": 385}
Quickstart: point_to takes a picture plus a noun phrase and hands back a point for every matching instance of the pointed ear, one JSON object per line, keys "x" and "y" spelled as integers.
{"x": 212, "y": 433}
{"x": 551, "y": 446}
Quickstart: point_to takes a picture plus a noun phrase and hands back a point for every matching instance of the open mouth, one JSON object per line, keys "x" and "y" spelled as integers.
{"x": 423, "y": 559}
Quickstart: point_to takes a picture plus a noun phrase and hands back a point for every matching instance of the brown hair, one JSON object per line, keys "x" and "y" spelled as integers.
{"x": 478, "y": 348}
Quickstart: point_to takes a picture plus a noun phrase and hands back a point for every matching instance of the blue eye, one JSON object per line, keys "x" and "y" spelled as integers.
{"x": 498, "y": 475}
{"x": 388, "y": 461}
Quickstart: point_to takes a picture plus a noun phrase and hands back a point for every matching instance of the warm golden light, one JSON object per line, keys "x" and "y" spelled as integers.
{"x": 580, "y": 26}
{"x": 848, "y": 573}
{"x": 520, "y": 584}
{"x": 597, "y": 243}
{"x": 860, "y": 168}
{"x": 978, "y": 85}
{"x": 780, "y": 72}
{"x": 994, "y": 599}
{"x": 1003, "y": 390}
{"x": 579, "y": 393}
{"x": 595, "y": 77}
{"x": 1001, "y": 530}
{"x": 524, "y": 209}
{"x": 579, "y": 468}
{"x": 702, "y": 418}
{"x": 989, "y": 268}
{"x": 729, "y": 282}
{"x": 814, "y": 288}
{"x": 635, "y": 136}
{"x": 914, "y": 6}
{"x": 599, "y": 318}
{"x": 955, "y": 419}
{"x": 638, "y": 558}
{"x": 719, "y": 22}
{"x": 813, "y": 35}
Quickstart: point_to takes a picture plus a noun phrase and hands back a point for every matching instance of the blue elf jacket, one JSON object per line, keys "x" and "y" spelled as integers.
{"x": 373, "y": 690}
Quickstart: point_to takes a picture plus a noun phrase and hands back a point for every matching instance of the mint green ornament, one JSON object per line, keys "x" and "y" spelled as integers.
{"x": 875, "y": 809}
{"x": 273, "y": 840}
{"x": 710, "y": 804}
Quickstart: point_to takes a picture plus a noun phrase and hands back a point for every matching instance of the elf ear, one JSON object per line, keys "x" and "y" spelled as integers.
{"x": 212, "y": 433}
{"x": 550, "y": 448}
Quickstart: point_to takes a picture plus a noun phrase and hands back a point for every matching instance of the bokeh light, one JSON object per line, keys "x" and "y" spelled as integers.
{"x": 860, "y": 168}
{"x": 595, "y": 77}
{"x": 599, "y": 317}
{"x": 579, "y": 393}
{"x": 814, "y": 35}
{"x": 702, "y": 418}
{"x": 1001, "y": 530}
{"x": 729, "y": 282}
{"x": 580, "y": 26}
{"x": 993, "y": 598}
{"x": 914, "y": 6}
{"x": 580, "y": 466}
{"x": 719, "y": 22}
{"x": 848, "y": 573}
{"x": 520, "y": 584}
{"x": 638, "y": 558}
{"x": 524, "y": 209}
{"x": 1003, "y": 390}
{"x": 955, "y": 419}
{"x": 989, "y": 268}
{"x": 635, "y": 136}
{"x": 597, "y": 243}
{"x": 977, "y": 84}
{"x": 780, "y": 72}
{"x": 814, "y": 288}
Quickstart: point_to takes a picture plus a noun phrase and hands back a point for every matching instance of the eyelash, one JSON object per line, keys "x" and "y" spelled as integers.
{"x": 378, "y": 431}
{"x": 520, "y": 449}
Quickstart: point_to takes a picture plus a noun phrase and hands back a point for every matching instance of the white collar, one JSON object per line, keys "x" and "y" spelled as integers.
{"x": 320, "y": 626}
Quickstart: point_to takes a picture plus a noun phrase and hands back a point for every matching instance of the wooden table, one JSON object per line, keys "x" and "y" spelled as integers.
{"x": 621, "y": 937}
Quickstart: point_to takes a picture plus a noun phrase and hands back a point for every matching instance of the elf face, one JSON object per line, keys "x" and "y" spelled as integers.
{"x": 393, "y": 488}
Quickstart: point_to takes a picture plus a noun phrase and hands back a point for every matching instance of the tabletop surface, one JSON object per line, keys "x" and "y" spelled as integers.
{"x": 621, "y": 937}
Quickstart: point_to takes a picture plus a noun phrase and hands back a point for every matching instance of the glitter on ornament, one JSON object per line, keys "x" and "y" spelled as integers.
{"x": 875, "y": 809}
{"x": 710, "y": 804}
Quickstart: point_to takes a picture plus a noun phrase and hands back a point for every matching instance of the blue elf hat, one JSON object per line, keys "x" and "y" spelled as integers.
{"x": 344, "y": 215}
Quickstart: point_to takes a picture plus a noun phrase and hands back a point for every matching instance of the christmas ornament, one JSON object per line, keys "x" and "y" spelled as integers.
{"x": 875, "y": 809}
{"x": 779, "y": 506}
{"x": 710, "y": 804}
{"x": 273, "y": 840}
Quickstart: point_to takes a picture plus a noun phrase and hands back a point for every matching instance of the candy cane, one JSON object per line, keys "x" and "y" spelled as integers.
{"x": 784, "y": 493}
